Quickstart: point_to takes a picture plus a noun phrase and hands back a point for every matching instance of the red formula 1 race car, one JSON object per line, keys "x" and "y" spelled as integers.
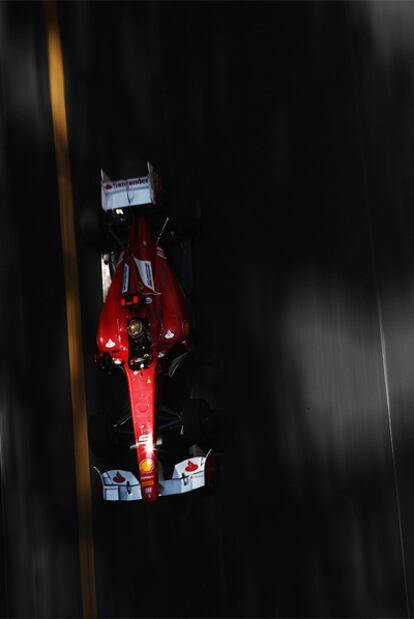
{"x": 144, "y": 332}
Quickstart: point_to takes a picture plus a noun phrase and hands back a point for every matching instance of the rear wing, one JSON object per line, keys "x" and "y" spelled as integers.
{"x": 130, "y": 192}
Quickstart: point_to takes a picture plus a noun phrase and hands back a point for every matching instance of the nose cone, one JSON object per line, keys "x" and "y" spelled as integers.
{"x": 150, "y": 493}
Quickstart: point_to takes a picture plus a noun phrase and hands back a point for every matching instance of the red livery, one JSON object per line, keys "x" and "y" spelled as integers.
{"x": 143, "y": 316}
{"x": 143, "y": 325}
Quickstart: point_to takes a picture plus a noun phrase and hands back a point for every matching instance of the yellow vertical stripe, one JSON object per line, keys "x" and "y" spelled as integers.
{"x": 77, "y": 380}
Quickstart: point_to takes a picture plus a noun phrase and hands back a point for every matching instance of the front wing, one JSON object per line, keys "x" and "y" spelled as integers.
{"x": 188, "y": 475}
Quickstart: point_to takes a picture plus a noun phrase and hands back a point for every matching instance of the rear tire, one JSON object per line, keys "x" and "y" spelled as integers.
{"x": 93, "y": 231}
{"x": 185, "y": 209}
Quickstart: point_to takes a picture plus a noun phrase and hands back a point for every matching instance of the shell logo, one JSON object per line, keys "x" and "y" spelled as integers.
{"x": 147, "y": 466}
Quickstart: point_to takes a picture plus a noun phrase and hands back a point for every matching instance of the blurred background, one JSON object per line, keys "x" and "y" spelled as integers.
{"x": 294, "y": 123}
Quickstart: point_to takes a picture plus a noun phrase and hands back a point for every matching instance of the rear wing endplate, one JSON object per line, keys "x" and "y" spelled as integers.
{"x": 130, "y": 192}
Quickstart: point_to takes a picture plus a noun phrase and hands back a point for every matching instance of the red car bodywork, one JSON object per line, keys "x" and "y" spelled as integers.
{"x": 143, "y": 287}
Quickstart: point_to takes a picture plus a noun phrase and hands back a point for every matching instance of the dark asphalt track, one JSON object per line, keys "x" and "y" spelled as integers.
{"x": 39, "y": 521}
{"x": 295, "y": 124}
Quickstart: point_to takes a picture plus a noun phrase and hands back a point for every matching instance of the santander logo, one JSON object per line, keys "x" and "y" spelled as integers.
{"x": 191, "y": 467}
{"x": 118, "y": 479}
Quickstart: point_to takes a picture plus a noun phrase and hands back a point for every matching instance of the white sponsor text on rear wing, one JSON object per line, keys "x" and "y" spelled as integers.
{"x": 130, "y": 192}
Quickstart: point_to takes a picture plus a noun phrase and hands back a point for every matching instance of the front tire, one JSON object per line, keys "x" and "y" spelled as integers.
{"x": 103, "y": 441}
{"x": 199, "y": 423}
